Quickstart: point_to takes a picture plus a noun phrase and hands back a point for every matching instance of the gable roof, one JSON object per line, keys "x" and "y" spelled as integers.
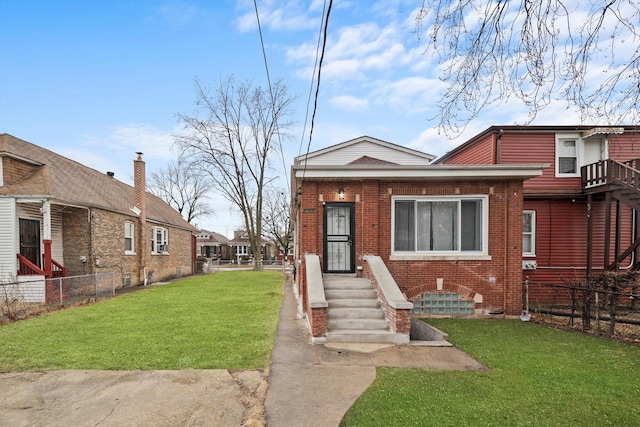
{"x": 211, "y": 236}
{"x": 365, "y": 146}
{"x": 384, "y": 160}
{"x": 66, "y": 181}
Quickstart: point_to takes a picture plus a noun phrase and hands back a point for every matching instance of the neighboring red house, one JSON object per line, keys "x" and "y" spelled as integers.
{"x": 59, "y": 217}
{"x": 433, "y": 239}
{"x": 579, "y": 214}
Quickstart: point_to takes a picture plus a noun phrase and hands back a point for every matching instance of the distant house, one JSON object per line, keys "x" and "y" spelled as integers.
{"x": 434, "y": 239}
{"x": 59, "y": 217}
{"x": 241, "y": 248}
{"x": 212, "y": 245}
{"x": 580, "y": 216}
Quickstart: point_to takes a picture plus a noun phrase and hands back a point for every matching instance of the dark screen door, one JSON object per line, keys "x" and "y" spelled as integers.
{"x": 30, "y": 240}
{"x": 339, "y": 248}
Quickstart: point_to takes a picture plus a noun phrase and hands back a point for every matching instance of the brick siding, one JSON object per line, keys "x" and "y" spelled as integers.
{"x": 499, "y": 280}
{"x": 101, "y": 241}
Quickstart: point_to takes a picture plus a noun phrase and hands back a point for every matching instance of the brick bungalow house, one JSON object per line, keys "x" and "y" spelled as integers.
{"x": 440, "y": 239}
{"x": 210, "y": 244}
{"x": 241, "y": 248}
{"x": 61, "y": 218}
{"x": 580, "y": 216}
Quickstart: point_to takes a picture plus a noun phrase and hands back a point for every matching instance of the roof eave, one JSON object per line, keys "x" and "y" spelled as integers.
{"x": 428, "y": 172}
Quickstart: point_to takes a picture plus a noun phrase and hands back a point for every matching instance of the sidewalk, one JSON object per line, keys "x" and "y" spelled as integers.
{"x": 315, "y": 385}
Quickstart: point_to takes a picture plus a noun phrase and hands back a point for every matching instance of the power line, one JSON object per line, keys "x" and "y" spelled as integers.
{"x": 315, "y": 102}
{"x": 273, "y": 105}
{"x": 313, "y": 78}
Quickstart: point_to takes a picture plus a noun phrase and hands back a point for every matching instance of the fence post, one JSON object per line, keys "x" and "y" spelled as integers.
{"x": 60, "y": 289}
{"x": 597, "y": 314}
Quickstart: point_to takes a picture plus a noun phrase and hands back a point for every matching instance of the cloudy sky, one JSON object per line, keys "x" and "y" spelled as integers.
{"x": 97, "y": 81}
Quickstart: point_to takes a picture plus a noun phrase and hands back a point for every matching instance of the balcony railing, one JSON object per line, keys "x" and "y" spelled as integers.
{"x": 611, "y": 173}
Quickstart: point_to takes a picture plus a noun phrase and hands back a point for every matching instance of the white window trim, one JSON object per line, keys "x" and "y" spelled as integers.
{"x": 560, "y": 137}
{"x": 132, "y": 237}
{"x": 165, "y": 241}
{"x": 482, "y": 255}
{"x": 533, "y": 234}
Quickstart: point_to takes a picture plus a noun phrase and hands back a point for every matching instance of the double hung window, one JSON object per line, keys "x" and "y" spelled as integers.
{"x": 159, "y": 240}
{"x": 129, "y": 238}
{"x": 529, "y": 233}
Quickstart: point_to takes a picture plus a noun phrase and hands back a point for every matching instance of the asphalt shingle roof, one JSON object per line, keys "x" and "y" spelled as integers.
{"x": 66, "y": 181}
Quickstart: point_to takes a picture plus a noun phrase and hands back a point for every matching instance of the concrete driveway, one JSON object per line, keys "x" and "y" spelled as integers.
{"x": 130, "y": 398}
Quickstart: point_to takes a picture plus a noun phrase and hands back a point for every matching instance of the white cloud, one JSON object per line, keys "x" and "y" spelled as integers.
{"x": 122, "y": 142}
{"x": 291, "y": 15}
{"x": 350, "y": 103}
{"x": 408, "y": 95}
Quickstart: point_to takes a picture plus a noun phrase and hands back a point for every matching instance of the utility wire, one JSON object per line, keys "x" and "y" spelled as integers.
{"x": 273, "y": 102}
{"x": 315, "y": 102}
{"x": 313, "y": 77}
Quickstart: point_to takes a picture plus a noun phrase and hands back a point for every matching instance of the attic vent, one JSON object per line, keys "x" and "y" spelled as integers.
{"x": 111, "y": 174}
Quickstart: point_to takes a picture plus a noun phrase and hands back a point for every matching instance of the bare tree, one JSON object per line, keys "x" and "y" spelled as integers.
{"x": 183, "y": 188}
{"x": 231, "y": 136}
{"x": 277, "y": 220}
{"x": 587, "y": 53}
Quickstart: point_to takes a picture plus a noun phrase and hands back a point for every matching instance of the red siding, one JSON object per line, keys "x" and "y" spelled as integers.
{"x": 536, "y": 148}
{"x": 624, "y": 147}
{"x": 480, "y": 153}
{"x": 561, "y": 239}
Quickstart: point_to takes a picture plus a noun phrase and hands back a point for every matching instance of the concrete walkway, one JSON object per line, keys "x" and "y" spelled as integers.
{"x": 315, "y": 385}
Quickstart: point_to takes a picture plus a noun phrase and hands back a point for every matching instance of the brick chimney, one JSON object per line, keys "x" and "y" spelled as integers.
{"x": 140, "y": 186}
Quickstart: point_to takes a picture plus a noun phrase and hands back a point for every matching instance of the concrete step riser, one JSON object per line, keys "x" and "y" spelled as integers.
{"x": 365, "y": 324}
{"x": 349, "y": 294}
{"x": 361, "y": 337}
{"x": 355, "y": 313}
{"x": 353, "y": 303}
{"x": 348, "y": 285}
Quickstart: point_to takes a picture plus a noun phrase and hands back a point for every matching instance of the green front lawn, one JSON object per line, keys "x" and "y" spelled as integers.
{"x": 539, "y": 377}
{"x": 225, "y": 320}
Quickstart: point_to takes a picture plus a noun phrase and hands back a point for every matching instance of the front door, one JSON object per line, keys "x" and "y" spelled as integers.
{"x": 339, "y": 245}
{"x": 30, "y": 240}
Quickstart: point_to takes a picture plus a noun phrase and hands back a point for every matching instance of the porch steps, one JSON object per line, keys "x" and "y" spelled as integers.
{"x": 354, "y": 313}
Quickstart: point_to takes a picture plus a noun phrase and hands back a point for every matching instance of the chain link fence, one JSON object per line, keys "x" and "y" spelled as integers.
{"x": 30, "y": 295}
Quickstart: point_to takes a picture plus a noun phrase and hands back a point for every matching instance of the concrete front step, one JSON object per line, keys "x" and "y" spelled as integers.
{"x": 348, "y": 284}
{"x": 331, "y": 294}
{"x": 353, "y": 303}
{"x": 366, "y": 324}
{"x": 355, "y": 313}
{"x": 362, "y": 336}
